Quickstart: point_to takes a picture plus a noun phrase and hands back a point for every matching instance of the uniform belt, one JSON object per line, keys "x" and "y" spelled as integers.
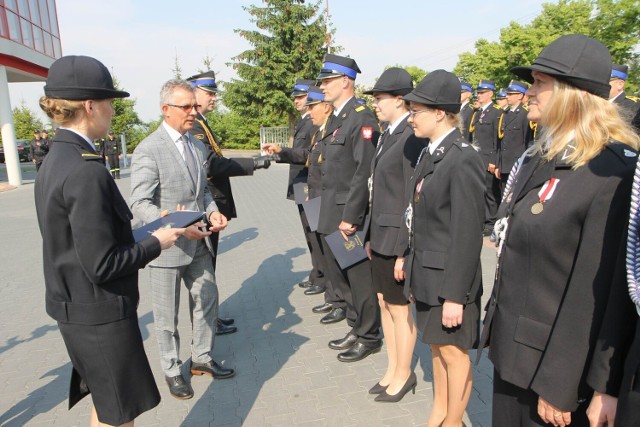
{"x": 95, "y": 313}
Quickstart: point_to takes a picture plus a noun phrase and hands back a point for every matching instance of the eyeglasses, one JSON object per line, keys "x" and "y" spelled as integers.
{"x": 186, "y": 108}
{"x": 412, "y": 113}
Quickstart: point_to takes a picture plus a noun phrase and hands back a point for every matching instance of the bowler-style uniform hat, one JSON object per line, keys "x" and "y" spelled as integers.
{"x": 394, "y": 81}
{"x": 577, "y": 60}
{"x": 314, "y": 95}
{"x": 439, "y": 89}
{"x": 301, "y": 87}
{"x": 619, "y": 72}
{"x": 205, "y": 81}
{"x": 337, "y": 66}
{"x": 79, "y": 78}
{"x": 516, "y": 86}
{"x": 486, "y": 85}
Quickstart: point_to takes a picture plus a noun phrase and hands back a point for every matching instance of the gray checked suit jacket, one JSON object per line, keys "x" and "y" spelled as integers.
{"x": 160, "y": 180}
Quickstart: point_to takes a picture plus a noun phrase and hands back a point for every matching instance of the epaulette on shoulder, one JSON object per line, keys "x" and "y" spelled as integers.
{"x": 633, "y": 98}
{"x": 526, "y": 107}
{"x": 360, "y": 108}
{"x": 624, "y": 152}
{"x": 199, "y": 136}
{"x": 497, "y": 107}
{"x": 91, "y": 156}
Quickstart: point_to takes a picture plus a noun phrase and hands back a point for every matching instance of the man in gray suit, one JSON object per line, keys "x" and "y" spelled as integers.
{"x": 168, "y": 172}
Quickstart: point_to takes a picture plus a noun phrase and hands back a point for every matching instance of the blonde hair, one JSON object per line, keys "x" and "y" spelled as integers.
{"x": 586, "y": 121}
{"x": 61, "y": 111}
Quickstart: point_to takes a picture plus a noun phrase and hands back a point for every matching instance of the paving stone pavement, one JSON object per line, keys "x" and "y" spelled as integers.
{"x": 286, "y": 374}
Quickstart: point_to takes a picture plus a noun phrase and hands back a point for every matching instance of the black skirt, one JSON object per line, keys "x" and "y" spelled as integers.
{"x": 383, "y": 281}
{"x": 109, "y": 362}
{"x": 465, "y": 336}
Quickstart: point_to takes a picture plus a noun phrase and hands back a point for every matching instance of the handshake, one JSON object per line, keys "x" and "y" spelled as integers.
{"x": 263, "y": 162}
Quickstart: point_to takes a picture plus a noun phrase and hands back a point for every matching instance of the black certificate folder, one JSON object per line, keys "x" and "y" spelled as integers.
{"x": 177, "y": 219}
{"x": 347, "y": 252}
{"x": 312, "y": 211}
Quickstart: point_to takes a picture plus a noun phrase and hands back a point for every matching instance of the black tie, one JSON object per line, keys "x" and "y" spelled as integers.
{"x": 189, "y": 159}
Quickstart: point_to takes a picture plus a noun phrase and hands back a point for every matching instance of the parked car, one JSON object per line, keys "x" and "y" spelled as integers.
{"x": 24, "y": 150}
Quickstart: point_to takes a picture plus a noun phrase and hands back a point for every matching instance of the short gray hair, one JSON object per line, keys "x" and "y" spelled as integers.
{"x": 166, "y": 93}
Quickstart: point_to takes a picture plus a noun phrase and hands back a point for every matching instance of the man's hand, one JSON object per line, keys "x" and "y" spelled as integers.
{"x": 497, "y": 173}
{"x": 346, "y": 229}
{"x": 194, "y": 232}
{"x": 272, "y": 148}
{"x": 491, "y": 168}
{"x": 218, "y": 221}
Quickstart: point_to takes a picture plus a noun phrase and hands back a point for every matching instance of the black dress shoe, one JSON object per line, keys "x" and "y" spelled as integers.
{"x": 305, "y": 284}
{"x": 314, "y": 290}
{"x": 336, "y": 315}
{"x": 377, "y": 389}
{"x": 344, "y": 343}
{"x": 358, "y": 352}
{"x": 179, "y": 388}
{"x": 226, "y": 322}
{"x": 225, "y": 330}
{"x": 211, "y": 369}
{"x": 409, "y": 385}
{"x": 322, "y": 308}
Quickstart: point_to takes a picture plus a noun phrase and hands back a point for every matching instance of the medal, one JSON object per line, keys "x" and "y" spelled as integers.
{"x": 544, "y": 194}
{"x": 537, "y": 208}
{"x": 416, "y": 198}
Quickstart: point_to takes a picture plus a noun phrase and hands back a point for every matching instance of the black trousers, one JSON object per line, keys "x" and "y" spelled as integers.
{"x": 316, "y": 276}
{"x": 491, "y": 198}
{"x": 114, "y": 162}
{"x": 517, "y": 407}
{"x": 628, "y": 412}
{"x": 355, "y": 284}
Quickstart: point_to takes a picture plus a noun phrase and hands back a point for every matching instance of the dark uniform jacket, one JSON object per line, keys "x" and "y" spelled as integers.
{"x": 314, "y": 180}
{"x": 347, "y": 153}
{"x": 628, "y": 106}
{"x": 515, "y": 135}
{"x": 301, "y": 141}
{"x": 39, "y": 149}
{"x": 219, "y": 168}
{"x": 465, "y": 115}
{"x": 111, "y": 147}
{"x": 90, "y": 259}
{"x": 447, "y": 196}
{"x": 392, "y": 168}
{"x": 484, "y": 132}
{"x": 558, "y": 314}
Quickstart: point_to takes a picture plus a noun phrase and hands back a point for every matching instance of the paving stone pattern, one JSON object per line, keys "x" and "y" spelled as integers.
{"x": 286, "y": 374}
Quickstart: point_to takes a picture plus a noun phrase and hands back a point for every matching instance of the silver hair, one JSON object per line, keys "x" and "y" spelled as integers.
{"x": 166, "y": 93}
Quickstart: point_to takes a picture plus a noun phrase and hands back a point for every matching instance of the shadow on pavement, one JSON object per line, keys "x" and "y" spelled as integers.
{"x": 231, "y": 241}
{"x": 264, "y": 343}
{"x": 35, "y": 334}
{"x": 41, "y": 400}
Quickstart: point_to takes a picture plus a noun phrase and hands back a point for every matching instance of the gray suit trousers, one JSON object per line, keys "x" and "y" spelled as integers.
{"x": 199, "y": 279}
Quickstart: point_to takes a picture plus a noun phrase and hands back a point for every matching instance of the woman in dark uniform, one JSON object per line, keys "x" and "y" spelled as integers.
{"x": 387, "y": 240}
{"x": 556, "y": 318}
{"x": 446, "y": 217}
{"x": 90, "y": 260}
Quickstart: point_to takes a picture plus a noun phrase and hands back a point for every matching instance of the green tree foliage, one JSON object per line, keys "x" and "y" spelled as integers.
{"x": 288, "y": 44}
{"x": 25, "y": 122}
{"x": 613, "y": 22}
{"x": 126, "y": 120}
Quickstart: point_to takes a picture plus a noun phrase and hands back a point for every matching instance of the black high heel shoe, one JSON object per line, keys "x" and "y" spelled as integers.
{"x": 377, "y": 389}
{"x": 409, "y": 385}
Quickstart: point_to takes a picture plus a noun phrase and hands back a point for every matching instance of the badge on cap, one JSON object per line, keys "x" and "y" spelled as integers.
{"x": 367, "y": 132}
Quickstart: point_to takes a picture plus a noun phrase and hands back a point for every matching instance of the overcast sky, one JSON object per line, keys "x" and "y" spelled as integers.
{"x": 139, "y": 39}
